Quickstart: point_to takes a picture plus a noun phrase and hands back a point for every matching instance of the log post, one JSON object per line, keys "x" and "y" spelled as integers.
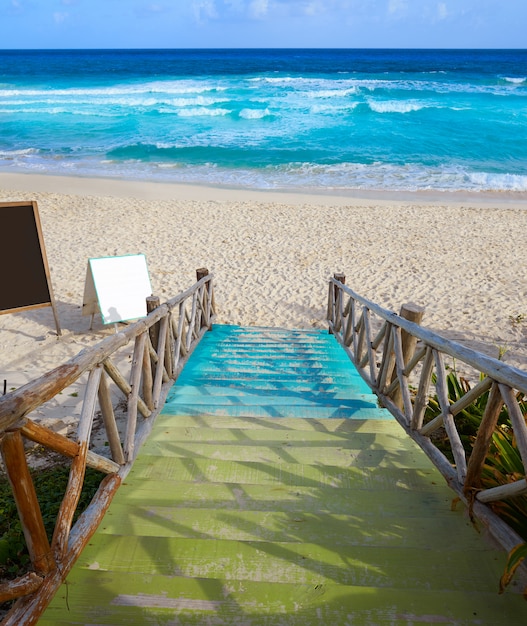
{"x": 482, "y": 443}
{"x": 413, "y": 313}
{"x": 133, "y": 397}
{"x": 152, "y": 302}
{"x": 201, "y": 273}
{"x": 108, "y": 416}
{"x": 148, "y": 377}
{"x": 334, "y": 315}
{"x": 12, "y": 447}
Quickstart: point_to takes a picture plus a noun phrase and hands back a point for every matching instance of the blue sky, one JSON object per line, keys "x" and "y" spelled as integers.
{"x": 263, "y": 23}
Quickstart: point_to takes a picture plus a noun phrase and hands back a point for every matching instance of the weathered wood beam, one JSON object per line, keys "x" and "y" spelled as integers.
{"x": 502, "y": 492}
{"x": 402, "y": 377}
{"x": 421, "y": 398}
{"x": 483, "y": 439}
{"x": 62, "y": 445}
{"x": 22, "y": 586}
{"x": 496, "y": 369}
{"x": 448, "y": 420}
{"x": 28, "y": 610}
{"x": 413, "y": 313}
{"x": 518, "y": 423}
{"x": 159, "y": 377}
{"x": 124, "y": 386}
{"x": 110, "y": 424}
{"x": 78, "y": 468}
{"x": 18, "y": 403}
{"x": 14, "y": 457}
{"x": 133, "y": 397}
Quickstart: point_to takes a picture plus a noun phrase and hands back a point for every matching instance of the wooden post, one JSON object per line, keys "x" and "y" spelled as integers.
{"x": 413, "y": 313}
{"x": 482, "y": 443}
{"x": 12, "y": 447}
{"x": 108, "y": 416}
{"x": 148, "y": 376}
{"x": 133, "y": 397}
{"x": 335, "y": 314}
{"x": 201, "y": 273}
{"x": 152, "y": 302}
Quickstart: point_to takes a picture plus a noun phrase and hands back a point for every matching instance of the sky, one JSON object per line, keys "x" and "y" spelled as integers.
{"x": 263, "y": 24}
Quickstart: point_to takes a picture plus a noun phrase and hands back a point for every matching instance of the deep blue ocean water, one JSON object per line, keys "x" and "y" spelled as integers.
{"x": 270, "y": 119}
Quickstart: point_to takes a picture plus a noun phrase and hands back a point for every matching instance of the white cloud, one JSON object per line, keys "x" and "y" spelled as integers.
{"x": 442, "y": 10}
{"x": 314, "y": 8}
{"x": 204, "y": 10}
{"x": 397, "y": 7}
{"x": 236, "y": 5}
{"x": 156, "y": 8}
{"x": 60, "y": 17}
{"x": 258, "y": 8}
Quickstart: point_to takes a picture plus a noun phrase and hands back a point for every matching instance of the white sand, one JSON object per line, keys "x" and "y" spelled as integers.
{"x": 271, "y": 254}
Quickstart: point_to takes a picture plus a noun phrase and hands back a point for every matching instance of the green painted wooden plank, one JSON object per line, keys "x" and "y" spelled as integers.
{"x": 298, "y": 438}
{"x": 254, "y": 472}
{"x": 276, "y": 453}
{"x": 186, "y": 601}
{"x": 379, "y": 497}
{"x": 299, "y": 525}
{"x": 301, "y": 563}
{"x": 283, "y": 425}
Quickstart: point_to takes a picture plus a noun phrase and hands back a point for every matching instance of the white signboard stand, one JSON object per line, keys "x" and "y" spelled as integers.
{"x": 117, "y": 287}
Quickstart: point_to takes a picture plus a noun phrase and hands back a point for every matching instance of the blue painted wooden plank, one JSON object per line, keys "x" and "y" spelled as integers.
{"x": 355, "y": 401}
{"x": 272, "y": 372}
{"x": 270, "y": 410}
{"x": 262, "y": 389}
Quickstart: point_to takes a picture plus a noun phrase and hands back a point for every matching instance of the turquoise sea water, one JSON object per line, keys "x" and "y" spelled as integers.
{"x": 270, "y": 119}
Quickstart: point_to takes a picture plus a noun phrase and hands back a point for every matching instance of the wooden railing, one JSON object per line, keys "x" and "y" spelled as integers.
{"x": 138, "y": 376}
{"x": 405, "y": 365}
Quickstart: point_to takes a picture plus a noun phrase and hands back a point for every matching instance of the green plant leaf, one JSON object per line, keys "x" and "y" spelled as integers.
{"x": 516, "y": 556}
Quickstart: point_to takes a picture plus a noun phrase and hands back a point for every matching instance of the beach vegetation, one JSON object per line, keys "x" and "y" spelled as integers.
{"x": 514, "y": 560}
{"x": 503, "y": 463}
{"x": 50, "y": 486}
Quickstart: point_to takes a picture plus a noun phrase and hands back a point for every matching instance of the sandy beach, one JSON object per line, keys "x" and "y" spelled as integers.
{"x": 271, "y": 254}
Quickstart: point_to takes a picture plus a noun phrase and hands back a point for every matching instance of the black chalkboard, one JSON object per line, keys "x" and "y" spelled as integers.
{"x": 24, "y": 274}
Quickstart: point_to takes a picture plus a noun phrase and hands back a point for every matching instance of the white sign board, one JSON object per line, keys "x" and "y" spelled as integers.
{"x": 117, "y": 287}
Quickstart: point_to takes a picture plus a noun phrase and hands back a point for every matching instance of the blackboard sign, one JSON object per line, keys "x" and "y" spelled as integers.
{"x": 25, "y": 280}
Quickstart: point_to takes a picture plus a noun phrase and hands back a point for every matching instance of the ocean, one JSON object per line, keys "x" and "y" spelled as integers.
{"x": 339, "y": 120}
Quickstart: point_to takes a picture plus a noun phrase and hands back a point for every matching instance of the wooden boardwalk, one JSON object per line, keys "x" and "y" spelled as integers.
{"x": 274, "y": 491}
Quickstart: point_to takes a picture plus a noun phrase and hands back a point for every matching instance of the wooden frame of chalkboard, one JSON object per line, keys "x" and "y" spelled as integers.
{"x": 25, "y": 280}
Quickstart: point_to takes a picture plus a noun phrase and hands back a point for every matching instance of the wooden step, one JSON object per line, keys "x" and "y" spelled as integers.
{"x": 231, "y": 516}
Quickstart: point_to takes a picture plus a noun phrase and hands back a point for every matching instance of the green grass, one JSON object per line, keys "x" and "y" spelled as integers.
{"x": 50, "y": 485}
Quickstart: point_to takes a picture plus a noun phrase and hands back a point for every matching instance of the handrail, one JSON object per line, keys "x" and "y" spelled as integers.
{"x": 162, "y": 343}
{"x": 404, "y": 379}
